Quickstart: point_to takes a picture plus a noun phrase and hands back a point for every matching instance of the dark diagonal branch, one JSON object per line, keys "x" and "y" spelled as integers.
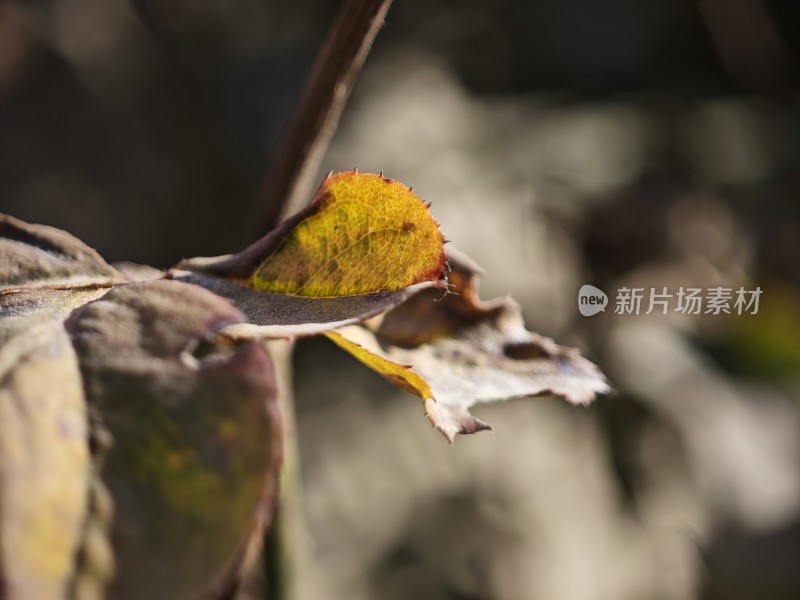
{"x": 289, "y": 182}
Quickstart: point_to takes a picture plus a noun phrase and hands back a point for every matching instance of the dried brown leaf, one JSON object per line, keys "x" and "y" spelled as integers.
{"x": 468, "y": 352}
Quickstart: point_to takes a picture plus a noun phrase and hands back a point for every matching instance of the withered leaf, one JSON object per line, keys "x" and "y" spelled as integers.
{"x": 196, "y": 436}
{"x": 36, "y": 256}
{"x": 44, "y": 464}
{"x": 365, "y": 244}
{"x": 467, "y": 352}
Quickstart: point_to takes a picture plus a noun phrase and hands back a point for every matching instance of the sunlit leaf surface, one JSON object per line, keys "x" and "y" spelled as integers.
{"x": 364, "y": 233}
{"x": 365, "y": 244}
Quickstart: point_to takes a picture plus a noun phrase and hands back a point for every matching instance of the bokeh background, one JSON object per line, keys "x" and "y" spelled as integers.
{"x": 612, "y": 142}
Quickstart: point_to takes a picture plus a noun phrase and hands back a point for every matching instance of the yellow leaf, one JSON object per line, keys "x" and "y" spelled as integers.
{"x": 364, "y": 245}
{"x": 364, "y": 233}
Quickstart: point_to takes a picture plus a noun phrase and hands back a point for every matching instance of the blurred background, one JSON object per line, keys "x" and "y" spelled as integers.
{"x": 614, "y": 142}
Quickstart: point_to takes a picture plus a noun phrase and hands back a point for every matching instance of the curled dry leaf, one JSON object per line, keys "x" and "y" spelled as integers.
{"x": 460, "y": 351}
{"x": 196, "y": 435}
{"x": 35, "y": 256}
{"x": 366, "y": 243}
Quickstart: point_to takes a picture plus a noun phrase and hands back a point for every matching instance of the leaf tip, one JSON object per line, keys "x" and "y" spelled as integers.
{"x": 451, "y": 423}
{"x": 474, "y": 425}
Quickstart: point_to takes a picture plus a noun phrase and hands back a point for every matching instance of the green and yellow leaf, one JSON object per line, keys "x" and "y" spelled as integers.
{"x": 364, "y": 234}
{"x": 365, "y": 244}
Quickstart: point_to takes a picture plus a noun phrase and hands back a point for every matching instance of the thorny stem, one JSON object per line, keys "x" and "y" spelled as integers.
{"x": 288, "y": 185}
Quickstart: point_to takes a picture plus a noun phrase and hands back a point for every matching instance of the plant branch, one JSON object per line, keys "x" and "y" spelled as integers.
{"x": 288, "y": 184}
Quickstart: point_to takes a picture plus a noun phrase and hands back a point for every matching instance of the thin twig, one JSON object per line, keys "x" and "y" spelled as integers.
{"x": 288, "y": 185}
